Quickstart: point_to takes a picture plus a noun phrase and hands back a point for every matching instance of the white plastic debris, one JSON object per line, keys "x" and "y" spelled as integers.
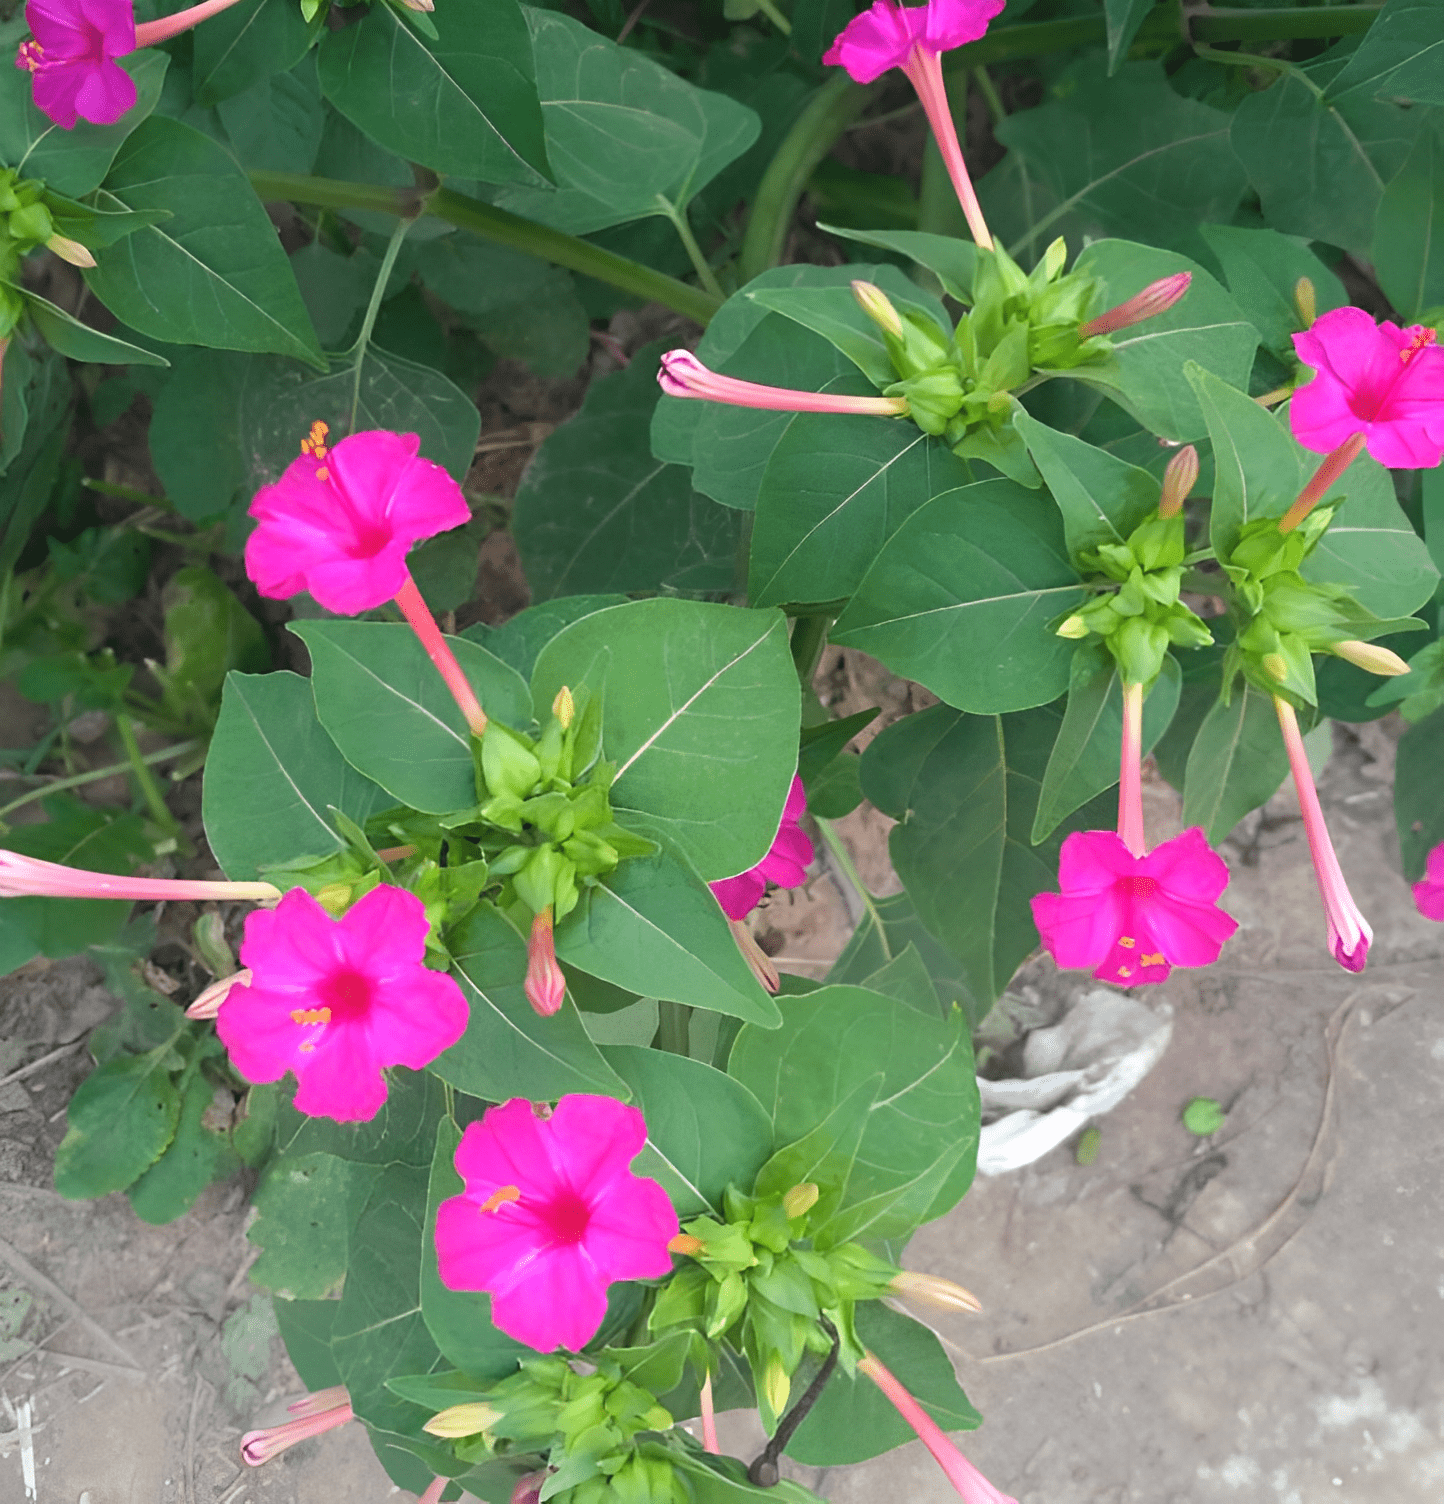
{"x": 1076, "y": 1070}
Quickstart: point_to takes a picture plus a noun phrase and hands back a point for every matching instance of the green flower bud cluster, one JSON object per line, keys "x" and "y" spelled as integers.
{"x": 584, "y": 1426}
{"x": 758, "y": 1281}
{"x": 1137, "y": 611}
{"x": 28, "y": 214}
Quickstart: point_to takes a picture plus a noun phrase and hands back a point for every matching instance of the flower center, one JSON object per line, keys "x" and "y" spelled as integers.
{"x": 347, "y": 994}
{"x": 567, "y": 1218}
{"x": 1140, "y": 887}
{"x": 29, "y": 56}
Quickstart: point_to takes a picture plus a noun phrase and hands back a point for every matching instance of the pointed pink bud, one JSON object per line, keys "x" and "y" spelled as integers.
{"x": 1158, "y": 297}
{"x": 322, "y": 1399}
{"x": 208, "y": 1004}
{"x": 1178, "y": 480}
{"x": 260, "y": 1446}
{"x": 1349, "y": 935}
{"x": 546, "y": 987}
{"x": 29, "y": 877}
{"x": 683, "y": 375}
{"x": 437, "y": 1486}
{"x": 528, "y": 1488}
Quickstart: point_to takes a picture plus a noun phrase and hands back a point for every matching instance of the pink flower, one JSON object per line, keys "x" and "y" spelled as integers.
{"x": 338, "y": 1000}
{"x": 683, "y": 375}
{"x": 972, "y": 1487}
{"x": 30, "y": 877}
{"x": 1131, "y": 919}
{"x": 552, "y": 1215}
{"x": 340, "y": 521}
{"x": 1377, "y": 380}
{"x": 208, "y": 1003}
{"x": 1349, "y": 935}
{"x": 785, "y": 864}
{"x": 1429, "y": 890}
{"x": 260, "y": 1446}
{"x": 72, "y": 61}
{"x": 884, "y": 36}
{"x": 910, "y": 38}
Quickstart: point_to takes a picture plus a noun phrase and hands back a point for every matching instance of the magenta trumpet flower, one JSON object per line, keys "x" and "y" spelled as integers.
{"x": 552, "y": 1215}
{"x": 890, "y": 35}
{"x": 683, "y": 375}
{"x": 1128, "y": 914}
{"x": 1349, "y": 935}
{"x": 311, "y": 1420}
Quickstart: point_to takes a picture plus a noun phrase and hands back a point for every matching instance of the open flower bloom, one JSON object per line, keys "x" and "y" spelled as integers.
{"x": 785, "y": 864}
{"x": 1429, "y": 890}
{"x": 683, "y": 375}
{"x": 552, "y": 1215}
{"x": 972, "y": 1487}
{"x": 30, "y": 877}
{"x": 311, "y": 1420}
{"x": 1376, "y": 380}
{"x": 910, "y": 37}
{"x": 338, "y": 1000}
{"x": 1349, "y": 935}
{"x": 1129, "y": 914}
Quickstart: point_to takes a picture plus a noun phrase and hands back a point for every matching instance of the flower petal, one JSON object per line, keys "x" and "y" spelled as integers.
{"x": 560, "y": 1303}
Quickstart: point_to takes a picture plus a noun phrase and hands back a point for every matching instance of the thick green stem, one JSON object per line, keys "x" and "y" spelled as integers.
{"x": 496, "y": 225}
{"x": 815, "y": 131}
{"x": 674, "y": 1027}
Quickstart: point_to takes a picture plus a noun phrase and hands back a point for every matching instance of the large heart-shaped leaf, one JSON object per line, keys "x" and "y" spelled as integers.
{"x": 1237, "y": 762}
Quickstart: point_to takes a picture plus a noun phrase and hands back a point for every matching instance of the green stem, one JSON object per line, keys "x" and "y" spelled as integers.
{"x": 674, "y": 1027}
{"x": 705, "y": 275}
{"x": 5, "y": 604}
{"x": 814, "y": 133}
{"x": 989, "y": 90}
{"x": 1257, "y": 60}
{"x": 809, "y": 637}
{"x": 774, "y": 15}
{"x": 388, "y": 261}
{"x": 496, "y": 225}
{"x": 145, "y": 779}
{"x": 844, "y": 860}
{"x": 126, "y": 493}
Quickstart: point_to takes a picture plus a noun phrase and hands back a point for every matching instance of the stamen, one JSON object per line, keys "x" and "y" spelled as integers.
{"x": 501, "y": 1198}
{"x": 1127, "y": 941}
{"x": 310, "y": 1016}
{"x": 315, "y": 441}
{"x": 1153, "y": 960}
{"x": 1423, "y": 337}
{"x": 1125, "y": 971}
{"x": 29, "y": 55}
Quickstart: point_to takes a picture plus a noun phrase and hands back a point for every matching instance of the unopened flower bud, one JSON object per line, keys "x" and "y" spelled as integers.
{"x": 528, "y": 1488}
{"x": 874, "y": 303}
{"x": 70, "y": 250}
{"x": 1178, "y": 480}
{"x": 208, "y": 1004}
{"x": 1055, "y": 258}
{"x": 462, "y": 1420}
{"x": 1275, "y": 665}
{"x": 1371, "y": 657}
{"x": 260, "y": 1446}
{"x": 684, "y": 1243}
{"x": 800, "y": 1200}
{"x": 335, "y": 898}
{"x": 1158, "y": 297}
{"x": 935, "y": 1291}
{"x": 776, "y": 1386}
{"x": 208, "y": 934}
{"x": 546, "y": 987}
{"x": 756, "y": 958}
{"x": 1306, "y": 301}
{"x": 564, "y": 708}
{"x": 1074, "y": 628}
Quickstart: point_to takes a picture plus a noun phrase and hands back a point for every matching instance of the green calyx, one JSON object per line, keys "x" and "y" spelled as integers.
{"x": 1136, "y": 609}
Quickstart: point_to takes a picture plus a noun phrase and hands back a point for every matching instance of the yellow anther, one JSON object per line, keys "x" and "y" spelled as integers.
{"x": 310, "y": 1015}
{"x": 1153, "y": 960}
{"x": 501, "y": 1198}
{"x": 315, "y": 441}
{"x": 564, "y": 708}
{"x": 1124, "y": 971}
{"x": 1127, "y": 941}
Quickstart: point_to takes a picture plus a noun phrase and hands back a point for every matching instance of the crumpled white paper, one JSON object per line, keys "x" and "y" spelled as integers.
{"x": 1077, "y": 1069}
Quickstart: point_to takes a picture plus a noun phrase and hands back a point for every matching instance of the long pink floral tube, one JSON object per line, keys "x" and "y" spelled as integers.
{"x": 415, "y": 610}
{"x": 924, "y": 69}
{"x": 683, "y": 375}
{"x": 29, "y": 877}
{"x": 1349, "y": 932}
{"x": 151, "y": 33}
{"x": 1130, "y": 772}
{"x": 972, "y": 1487}
{"x": 1333, "y": 466}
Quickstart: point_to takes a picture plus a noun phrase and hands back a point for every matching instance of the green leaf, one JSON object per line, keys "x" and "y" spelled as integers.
{"x": 68, "y": 336}
{"x": 854, "y": 1420}
{"x": 1319, "y": 166}
{"x": 1409, "y": 232}
{"x": 906, "y": 978}
{"x": 1144, "y": 375}
{"x": 655, "y": 929}
{"x": 1101, "y": 497}
{"x": 280, "y": 399}
{"x": 1262, "y": 268}
{"x": 825, "y": 1154}
{"x": 391, "y": 715}
{"x": 926, "y": 1110}
{"x": 305, "y": 1208}
{"x": 519, "y": 640}
{"x": 890, "y": 928}
{"x": 1123, "y": 17}
{"x": 836, "y": 489}
{"x": 246, "y": 44}
{"x": 276, "y": 123}
{"x": 272, "y": 773}
{"x": 508, "y": 1050}
{"x": 402, "y": 1132}
{"x": 595, "y": 512}
{"x": 950, "y": 260}
{"x": 75, "y": 161}
{"x": 459, "y": 1320}
{"x": 214, "y": 273}
{"x": 195, "y": 1157}
{"x": 1400, "y": 55}
{"x": 705, "y": 1130}
{"x": 625, "y": 136}
{"x": 965, "y": 789}
{"x": 194, "y": 435}
{"x": 465, "y": 103}
{"x": 1418, "y": 810}
{"x": 962, "y": 597}
{"x": 1127, "y": 155}
{"x": 1084, "y": 759}
{"x": 1237, "y": 763}
{"x": 207, "y": 634}
{"x": 120, "y": 1119}
{"x": 700, "y": 708}
{"x": 306, "y": 1327}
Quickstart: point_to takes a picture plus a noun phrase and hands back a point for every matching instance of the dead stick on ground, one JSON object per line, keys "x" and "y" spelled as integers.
{"x": 1333, "y": 1037}
{"x": 33, "y": 1277}
{"x": 36, "y": 1065}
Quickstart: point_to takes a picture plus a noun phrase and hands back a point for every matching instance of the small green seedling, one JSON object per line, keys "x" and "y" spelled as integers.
{"x": 1086, "y": 1150}
{"x": 1203, "y": 1116}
